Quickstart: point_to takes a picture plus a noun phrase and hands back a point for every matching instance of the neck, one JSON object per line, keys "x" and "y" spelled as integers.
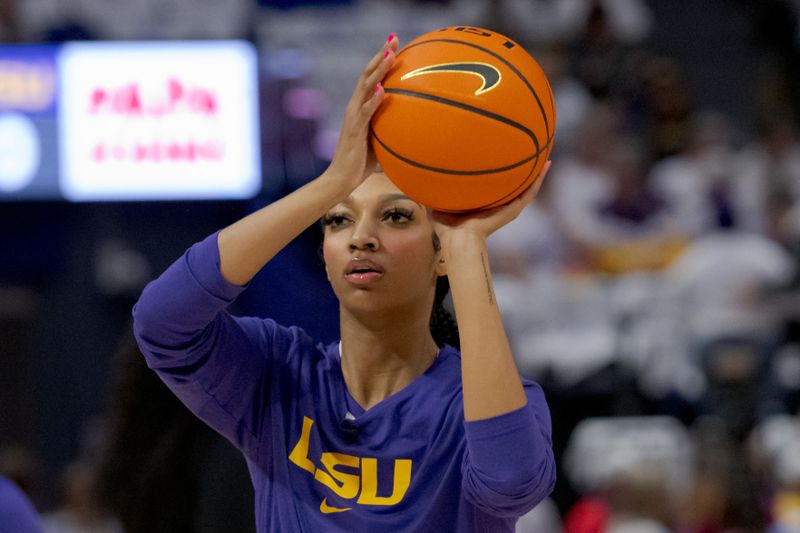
{"x": 384, "y": 355}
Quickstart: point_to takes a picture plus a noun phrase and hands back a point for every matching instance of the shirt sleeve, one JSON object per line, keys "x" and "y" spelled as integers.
{"x": 508, "y": 466}
{"x": 217, "y": 364}
{"x": 16, "y": 511}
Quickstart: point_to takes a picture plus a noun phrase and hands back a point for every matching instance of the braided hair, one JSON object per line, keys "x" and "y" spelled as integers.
{"x": 443, "y": 326}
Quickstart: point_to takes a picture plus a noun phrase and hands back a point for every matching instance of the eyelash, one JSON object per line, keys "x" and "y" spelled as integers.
{"x": 406, "y": 214}
{"x": 336, "y": 220}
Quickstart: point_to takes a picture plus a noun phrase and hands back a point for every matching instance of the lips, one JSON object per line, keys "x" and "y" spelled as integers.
{"x": 363, "y": 271}
{"x": 361, "y": 266}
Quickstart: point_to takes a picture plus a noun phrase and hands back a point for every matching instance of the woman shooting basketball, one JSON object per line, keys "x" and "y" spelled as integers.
{"x": 386, "y": 430}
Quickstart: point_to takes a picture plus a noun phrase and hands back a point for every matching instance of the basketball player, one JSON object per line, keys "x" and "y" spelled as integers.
{"x": 386, "y": 430}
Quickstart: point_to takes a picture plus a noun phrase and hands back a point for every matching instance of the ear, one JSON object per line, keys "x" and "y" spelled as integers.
{"x": 441, "y": 266}
{"x": 321, "y": 254}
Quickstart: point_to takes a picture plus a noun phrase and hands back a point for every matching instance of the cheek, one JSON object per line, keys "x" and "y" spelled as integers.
{"x": 415, "y": 253}
{"x": 325, "y": 251}
{"x": 328, "y": 256}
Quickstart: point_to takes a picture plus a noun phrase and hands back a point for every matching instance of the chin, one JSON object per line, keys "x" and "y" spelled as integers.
{"x": 371, "y": 302}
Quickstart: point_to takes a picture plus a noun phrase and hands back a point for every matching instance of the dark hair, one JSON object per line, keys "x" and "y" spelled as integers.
{"x": 443, "y": 326}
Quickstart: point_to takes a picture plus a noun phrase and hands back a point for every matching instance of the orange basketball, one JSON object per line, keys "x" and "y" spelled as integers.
{"x": 467, "y": 121}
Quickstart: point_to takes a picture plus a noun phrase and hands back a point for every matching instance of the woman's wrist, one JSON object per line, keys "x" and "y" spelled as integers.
{"x": 462, "y": 244}
{"x": 336, "y": 185}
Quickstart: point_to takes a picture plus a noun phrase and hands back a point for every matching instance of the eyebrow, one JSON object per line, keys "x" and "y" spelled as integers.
{"x": 390, "y": 197}
{"x": 385, "y": 198}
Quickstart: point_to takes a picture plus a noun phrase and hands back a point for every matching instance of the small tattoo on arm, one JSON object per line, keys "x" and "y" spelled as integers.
{"x": 486, "y": 277}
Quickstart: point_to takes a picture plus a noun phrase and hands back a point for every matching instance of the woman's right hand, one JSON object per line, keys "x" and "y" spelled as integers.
{"x": 353, "y": 160}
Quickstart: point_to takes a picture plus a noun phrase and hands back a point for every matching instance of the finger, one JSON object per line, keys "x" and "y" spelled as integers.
{"x": 511, "y": 210}
{"x": 449, "y": 220}
{"x": 372, "y": 160}
{"x": 379, "y": 72}
{"x": 545, "y": 170}
{"x": 371, "y": 105}
{"x": 533, "y": 190}
{"x": 369, "y": 80}
{"x": 363, "y": 102}
{"x": 377, "y": 63}
{"x": 393, "y": 42}
{"x": 374, "y": 98}
{"x": 390, "y": 44}
{"x": 542, "y": 174}
{"x": 527, "y": 197}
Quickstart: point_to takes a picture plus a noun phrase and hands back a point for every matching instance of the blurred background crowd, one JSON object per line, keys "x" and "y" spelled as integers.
{"x": 652, "y": 289}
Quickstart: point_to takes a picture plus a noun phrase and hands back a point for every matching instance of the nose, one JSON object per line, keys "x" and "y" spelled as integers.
{"x": 363, "y": 237}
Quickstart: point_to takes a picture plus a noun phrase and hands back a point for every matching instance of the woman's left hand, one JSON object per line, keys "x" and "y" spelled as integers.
{"x": 485, "y": 222}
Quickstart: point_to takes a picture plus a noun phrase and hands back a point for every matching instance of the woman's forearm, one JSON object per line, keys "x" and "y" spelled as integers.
{"x": 246, "y": 245}
{"x": 491, "y": 382}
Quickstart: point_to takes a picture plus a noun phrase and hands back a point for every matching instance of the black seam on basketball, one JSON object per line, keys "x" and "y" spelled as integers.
{"x": 507, "y": 63}
{"x": 512, "y": 194}
{"x": 467, "y": 107}
{"x": 449, "y": 171}
{"x": 516, "y": 191}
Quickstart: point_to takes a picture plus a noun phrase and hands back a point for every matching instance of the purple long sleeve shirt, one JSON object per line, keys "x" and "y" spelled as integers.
{"x": 17, "y": 514}
{"x": 318, "y": 461}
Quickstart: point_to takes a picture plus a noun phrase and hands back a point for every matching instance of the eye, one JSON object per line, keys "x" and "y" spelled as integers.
{"x": 398, "y": 215}
{"x": 335, "y": 220}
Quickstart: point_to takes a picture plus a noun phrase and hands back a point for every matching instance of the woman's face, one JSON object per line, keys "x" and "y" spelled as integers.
{"x": 379, "y": 251}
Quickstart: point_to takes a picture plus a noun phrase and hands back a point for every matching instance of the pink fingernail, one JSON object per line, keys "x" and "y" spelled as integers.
{"x": 391, "y": 36}
{"x": 377, "y": 87}
{"x": 386, "y": 54}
